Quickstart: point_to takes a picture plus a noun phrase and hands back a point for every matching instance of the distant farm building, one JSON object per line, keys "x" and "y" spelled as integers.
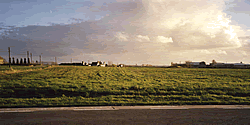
{"x": 190, "y": 64}
{"x": 196, "y": 64}
{"x": 121, "y": 65}
{"x": 240, "y": 65}
{"x": 178, "y": 64}
{"x": 98, "y": 63}
{"x": 94, "y": 63}
{"x": 74, "y": 64}
{"x": 146, "y": 65}
{"x": 103, "y": 64}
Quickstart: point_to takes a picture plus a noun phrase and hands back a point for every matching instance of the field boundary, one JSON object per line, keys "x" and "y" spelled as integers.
{"x": 4, "y": 110}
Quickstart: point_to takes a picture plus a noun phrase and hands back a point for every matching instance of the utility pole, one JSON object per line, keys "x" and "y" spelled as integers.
{"x": 28, "y": 55}
{"x": 31, "y": 58}
{"x": 40, "y": 59}
{"x": 71, "y": 60}
{"x": 9, "y": 56}
{"x": 28, "y": 60}
{"x": 55, "y": 61}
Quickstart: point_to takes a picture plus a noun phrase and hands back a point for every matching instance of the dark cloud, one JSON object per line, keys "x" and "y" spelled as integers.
{"x": 61, "y": 40}
{"x": 69, "y": 4}
{"x": 23, "y": 1}
{"x": 38, "y": 39}
{"x": 120, "y": 7}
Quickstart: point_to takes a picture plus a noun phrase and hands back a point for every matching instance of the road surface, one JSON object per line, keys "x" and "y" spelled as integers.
{"x": 128, "y": 115}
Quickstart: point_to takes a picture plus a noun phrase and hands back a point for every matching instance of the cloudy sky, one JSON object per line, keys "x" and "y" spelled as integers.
{"x": 154, "y": 32}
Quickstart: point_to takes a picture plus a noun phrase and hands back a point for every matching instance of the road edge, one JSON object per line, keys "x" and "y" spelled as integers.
{"x": 5, "y": 110}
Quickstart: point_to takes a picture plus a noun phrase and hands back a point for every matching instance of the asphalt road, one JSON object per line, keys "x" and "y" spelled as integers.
{"x": 129, "y": 116}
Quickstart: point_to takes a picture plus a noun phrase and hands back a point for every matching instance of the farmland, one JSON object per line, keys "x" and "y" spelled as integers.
{"x": 5, "y": 68}
{"x": 82, "y": 86}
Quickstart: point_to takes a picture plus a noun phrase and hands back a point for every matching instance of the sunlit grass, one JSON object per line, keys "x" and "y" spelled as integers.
{"x": 124, "y": 86}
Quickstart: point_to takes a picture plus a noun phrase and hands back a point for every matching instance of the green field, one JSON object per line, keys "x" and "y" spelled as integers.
{"x": 82, "y": 86}
{"x": 4, "y": 68}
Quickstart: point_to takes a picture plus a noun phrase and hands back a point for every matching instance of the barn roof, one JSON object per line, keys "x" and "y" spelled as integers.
{"x": 195, "y": 63}
{"x": 238, "y": 64}
{"x": 1, "y": 57}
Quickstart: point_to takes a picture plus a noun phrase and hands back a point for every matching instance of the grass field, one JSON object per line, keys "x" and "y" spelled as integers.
{"x": 4, "y": 68}
{"x": 82, "y": 86}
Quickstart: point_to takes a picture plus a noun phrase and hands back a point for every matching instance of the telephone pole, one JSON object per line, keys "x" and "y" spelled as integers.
{"x": 28, "y": 58}
{"x": 9, "y": 56}
{"x": 55, "y": 61}
{"x": 28, "y": 55}
{"x": 31, "y": 58}
{"x": 40, "y": 59}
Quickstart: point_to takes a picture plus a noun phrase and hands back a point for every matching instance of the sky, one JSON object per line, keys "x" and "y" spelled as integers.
{"x": 155, "y": 32}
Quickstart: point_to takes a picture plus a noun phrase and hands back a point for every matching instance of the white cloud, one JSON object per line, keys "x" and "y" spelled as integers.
{"x": 241, "y": 52}
{"x": 205, "y": 51}
{"x": 221, "y": 52}
{"x": 141, "y": 38}
{"x": 121, "y": 36}
{"x": 213, "y": 52}
{"x": 191, "y": 29}
{"x": 164, "y": 39}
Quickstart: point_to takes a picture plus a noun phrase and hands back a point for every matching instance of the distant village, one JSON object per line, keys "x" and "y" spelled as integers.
{"x": 214, "y": 64}
{"x": 187, "y": 64}
{"x": 97, "y": 63}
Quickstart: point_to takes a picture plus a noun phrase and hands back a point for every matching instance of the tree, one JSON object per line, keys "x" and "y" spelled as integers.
{"x": 17, "y": 61}
{"x": 13, "y": 62}
{"x": 214, "y": 62}
{"x": 21, "y": 61}
{"x": 28, "y": 60}
{"x": 24, "y": 61}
